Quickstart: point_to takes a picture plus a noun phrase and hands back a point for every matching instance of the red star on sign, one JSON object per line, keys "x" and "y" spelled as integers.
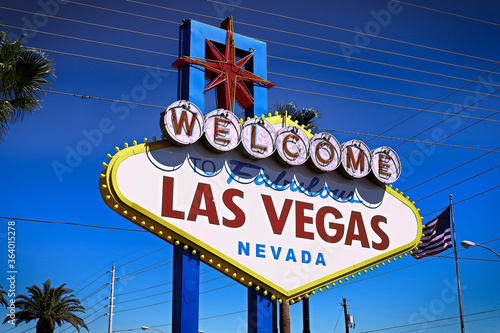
{"x": 227, "y": 75}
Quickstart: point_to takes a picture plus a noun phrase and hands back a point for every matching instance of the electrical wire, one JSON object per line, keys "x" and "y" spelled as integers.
{"x": 468, "y": 198}
{"x": 338, "y": 68}
{"x": 430, "y": 321}
{"x": 91, "y": 282}
{"x": 375, "y": 75}
{"x": 119, "y": 11}
{"x": 402, "y": 139}
{"x": 446, "y": 13}
{"x": 137, "y": 299}
{"x": 69, "y": 223}
{"x": 252, "y": 25}
{"x": 148, "y": 254}
{"x": 107, "y": 60}
{"x": 447, "y": 95}
{"x": 460, "y": 182}
{"x": 379, "y": 91}
{"x": 87, "y": 23}
{"x": 452, "y": 169}
{"x": 92, "y": 41}
{"x": 105, "y": 99}
{"x": 143, "y": 270}
{"x": 135, "y": 291}
{"x": 141, "y": 307}
{"x": 348, "y": 30}
{"x": 445, "y": 119}
{"x": 94, "y": 292}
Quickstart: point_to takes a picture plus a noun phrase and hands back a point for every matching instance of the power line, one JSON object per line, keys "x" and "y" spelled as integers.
{"x": 377, "y": 62}
{"x": 92, "y": 41}
{"x": 88, "y": 23}
{"x": 144, "y": 306}
{"x": 454, "y": 168}
{"x": 463, "y": 181}
{"x": 69, "y": 223}
{"x": 149, "y": 253}
{"x": 430, "y": 321}
{"x": 137, "y": 299}
{"x": 401, "y": 139}
{"x": 338, "y": 68}
{"x": 348, "y": 30}
{"x": 468, "y": 198}
{"x": 119, "y": 11}
{"x": 445, "y": 119}
{"x": 447, "y": 13}
{"x": 295, "y": 46}
{"x": 284, "y": 75}
{"x": 444, "y": 97}
{"x": 91, "y": 282}
{"x": 372, "y": 74}
{"x": 252, "y": 25}
{"x": 144, "y": 270}
{"x": 107, "y": 60}
{"x": 379, "y": 91}
{"x": 135, "y": 291}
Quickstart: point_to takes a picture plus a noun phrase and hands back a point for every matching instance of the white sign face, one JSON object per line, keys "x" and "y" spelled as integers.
{"x": 287, "y": 230}
{"x": 182, "y": 123}
{"x": 324, "y": 152}
{"x": 356, "y": 158}
{"x": 258, "y": 137}
{"x": 222, "y": 130}
{"x": 386, "y": 166}
{"x": 292, "y": 145}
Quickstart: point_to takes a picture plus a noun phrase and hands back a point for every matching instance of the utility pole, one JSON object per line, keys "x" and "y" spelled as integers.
{"x": 346, "y": 316}
{"x": 111, "y": 298}
{"x": 305, "y": 315}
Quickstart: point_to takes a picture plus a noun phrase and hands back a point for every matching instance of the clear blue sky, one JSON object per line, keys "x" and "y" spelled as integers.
{"x": 405, "y": 292}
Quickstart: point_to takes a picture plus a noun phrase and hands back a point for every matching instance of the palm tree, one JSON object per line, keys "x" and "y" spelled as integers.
{"x": 304, "y": 116}
{"x": 50, "y": 306}
{"x": 3, "y": 301}
{"x": 24, "y": 78}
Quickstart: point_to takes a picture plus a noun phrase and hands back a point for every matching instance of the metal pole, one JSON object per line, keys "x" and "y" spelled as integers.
{"x": 305, "y": 315}
{"x": 346, "y": 318}
{"x": 111, "y": 298}
{"x": 462, "y": 326}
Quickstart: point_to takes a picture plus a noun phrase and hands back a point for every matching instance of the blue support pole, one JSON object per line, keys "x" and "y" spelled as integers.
{"x": 260, "y": 312}
{"x": 185, "y": 298}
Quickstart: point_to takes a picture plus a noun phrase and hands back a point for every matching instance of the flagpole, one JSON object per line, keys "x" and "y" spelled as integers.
{"x": 456, "y": 265}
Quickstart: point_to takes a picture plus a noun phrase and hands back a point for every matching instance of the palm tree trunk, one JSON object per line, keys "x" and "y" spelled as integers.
{"x": 285, "y": 326}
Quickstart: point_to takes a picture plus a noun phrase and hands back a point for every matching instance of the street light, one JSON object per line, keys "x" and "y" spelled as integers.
{"x": 150, "y": 328}
{"x": 466, "y": 244}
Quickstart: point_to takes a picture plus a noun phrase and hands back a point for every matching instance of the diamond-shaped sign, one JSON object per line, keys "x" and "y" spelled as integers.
{"x": 288, "y": 230}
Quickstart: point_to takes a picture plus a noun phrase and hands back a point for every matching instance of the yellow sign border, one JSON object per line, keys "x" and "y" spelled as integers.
{"x": 114, "y": 199}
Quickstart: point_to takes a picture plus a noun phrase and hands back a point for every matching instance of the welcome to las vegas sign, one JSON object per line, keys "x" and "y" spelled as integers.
{"x": 264, "y": 201}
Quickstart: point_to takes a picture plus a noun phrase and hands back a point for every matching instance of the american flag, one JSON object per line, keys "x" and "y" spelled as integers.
{"x": 436, "y": 236}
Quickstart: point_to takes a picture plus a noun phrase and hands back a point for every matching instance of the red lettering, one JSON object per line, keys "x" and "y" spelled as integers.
{"x": 352, "y": 163}
{"x": 239, "y": 215}
{"x": 383, "y": 166}
{"x": 222, "y": 130}
{"x": 183, "y": 120}
{"x": 356, "y": 221}
{"x": 203, "y": 191}
{"x": 253, "y": 145}
{"x": 301, "y": 220}
{"x": 320, "y": 224}
{"x": 285, "y": 146}
{"x": 330, "y": 148}
{"x": 384, "y": 239}
{"x": 167, "y": 200}
{"x": 277, "y": 223}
